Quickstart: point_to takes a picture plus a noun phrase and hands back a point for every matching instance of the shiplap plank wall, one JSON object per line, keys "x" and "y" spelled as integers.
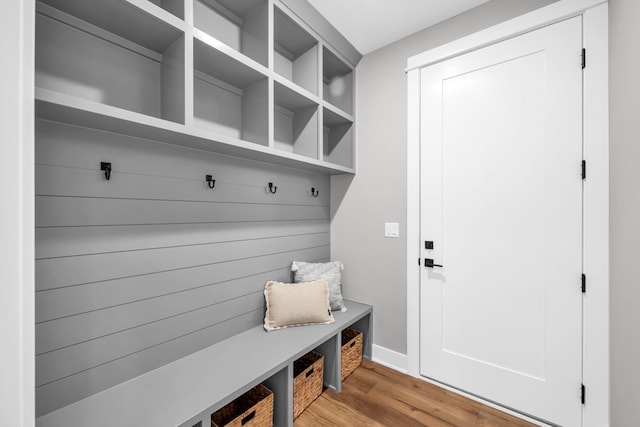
{"x": 148, "y": 267}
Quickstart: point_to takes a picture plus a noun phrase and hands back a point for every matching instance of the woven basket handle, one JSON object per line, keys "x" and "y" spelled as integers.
{"x": 248, "y": 418}
{"x": 352, "y": 344}
{"x": 309, "y": 373}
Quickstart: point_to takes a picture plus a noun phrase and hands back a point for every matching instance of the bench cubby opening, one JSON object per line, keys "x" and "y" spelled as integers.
{"x": 279, "y": 384}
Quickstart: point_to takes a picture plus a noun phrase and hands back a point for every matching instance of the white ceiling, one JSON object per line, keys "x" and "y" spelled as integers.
{"x": 371, "y": 24}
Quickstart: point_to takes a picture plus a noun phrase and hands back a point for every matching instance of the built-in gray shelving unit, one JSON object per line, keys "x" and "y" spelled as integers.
{"x": 128, "y": 83}
{"x": 249, "y": 78}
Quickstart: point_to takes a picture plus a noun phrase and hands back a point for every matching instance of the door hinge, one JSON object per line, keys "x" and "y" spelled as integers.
{"x": 584, "y": 169}
{"x": 583, "y": 393}
{"x": 584, "y": 283}
{"x": 584, "y": 58}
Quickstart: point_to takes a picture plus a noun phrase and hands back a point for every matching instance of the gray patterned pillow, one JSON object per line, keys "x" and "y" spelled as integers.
{"x": 330, "y": 271}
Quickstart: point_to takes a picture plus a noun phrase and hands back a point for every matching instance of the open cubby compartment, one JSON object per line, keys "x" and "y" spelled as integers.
{"x": 330, "y": 349}
{"x": 230, "y": 97}
{"x": 295, "y": 52}
{"x": 337, "y": 138}
{"x": 139, "y": 67}
{"x": 281, "y": 384}
{"x": 295, "y": 122}
{"x": 176, "y": 7}
{"x": 240, "y": 24}
{"x": 140, "y": 21}
{"x": 337, "y": 78}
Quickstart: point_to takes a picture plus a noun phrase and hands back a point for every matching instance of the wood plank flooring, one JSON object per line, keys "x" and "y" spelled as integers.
{"x": 378, "y": 396}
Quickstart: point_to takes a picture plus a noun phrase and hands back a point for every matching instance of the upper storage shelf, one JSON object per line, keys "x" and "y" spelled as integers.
{"x": 240, "y": 24}
{"x": 230, "y": 97}
{"x": 295, "y": 52}
{"x": 176, "y": 7}
{"x": 337, "y": 138}
{"x": 295, "y": 122}
{"x": 154, "y": 25}
{"x": 337, "y": 79}
{"x": 62, "y": 108}
{"x": 243, "y": 77}
{"x": 117, "y": 63}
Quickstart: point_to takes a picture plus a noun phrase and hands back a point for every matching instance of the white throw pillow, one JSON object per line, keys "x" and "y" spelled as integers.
{"x": 296, "y": 304}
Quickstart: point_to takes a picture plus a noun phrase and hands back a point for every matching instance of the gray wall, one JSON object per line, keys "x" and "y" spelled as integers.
{"x": 624, "y": 115}
{"x": 375, "y": 266}
{"x": 138, "y": 271}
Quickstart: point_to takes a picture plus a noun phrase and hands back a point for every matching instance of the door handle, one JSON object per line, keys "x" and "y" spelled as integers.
{"x": 428, "y": 262}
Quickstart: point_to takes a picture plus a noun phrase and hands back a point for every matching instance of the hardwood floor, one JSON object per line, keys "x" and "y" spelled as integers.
{"x": 378, "y": 396}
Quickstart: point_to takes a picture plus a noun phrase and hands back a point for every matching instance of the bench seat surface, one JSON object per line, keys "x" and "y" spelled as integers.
{"x": 178, "y": 391}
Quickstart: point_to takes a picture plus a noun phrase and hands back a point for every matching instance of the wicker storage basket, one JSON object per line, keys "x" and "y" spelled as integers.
{"x": 351, "y": 351}
{"x": 307, "y": 381}
{"x": 252, "y": 409}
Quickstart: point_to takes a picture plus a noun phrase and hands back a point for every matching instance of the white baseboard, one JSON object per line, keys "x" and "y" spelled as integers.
{"x": 390, "y": 359}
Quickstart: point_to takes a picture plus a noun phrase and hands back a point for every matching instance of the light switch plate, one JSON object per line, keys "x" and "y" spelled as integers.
{"x": 391, "y": 229}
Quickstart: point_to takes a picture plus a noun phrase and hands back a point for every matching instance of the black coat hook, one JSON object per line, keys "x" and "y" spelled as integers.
{"x": 209, "y": 179}
{"x": 314, "y": 192}
{"x": 106, "y": 167}
{"x": 272, "y": 188}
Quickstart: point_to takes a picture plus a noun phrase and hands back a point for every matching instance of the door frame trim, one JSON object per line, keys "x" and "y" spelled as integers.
{"x": 17, "y": 218}
{"x": 596, "y": 186}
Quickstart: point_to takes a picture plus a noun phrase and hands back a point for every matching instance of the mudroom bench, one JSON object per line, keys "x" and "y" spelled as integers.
{"x": 186, "y": 392}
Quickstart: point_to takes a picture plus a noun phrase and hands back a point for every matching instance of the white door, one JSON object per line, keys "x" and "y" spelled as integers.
{"x": 501, "y": 200}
